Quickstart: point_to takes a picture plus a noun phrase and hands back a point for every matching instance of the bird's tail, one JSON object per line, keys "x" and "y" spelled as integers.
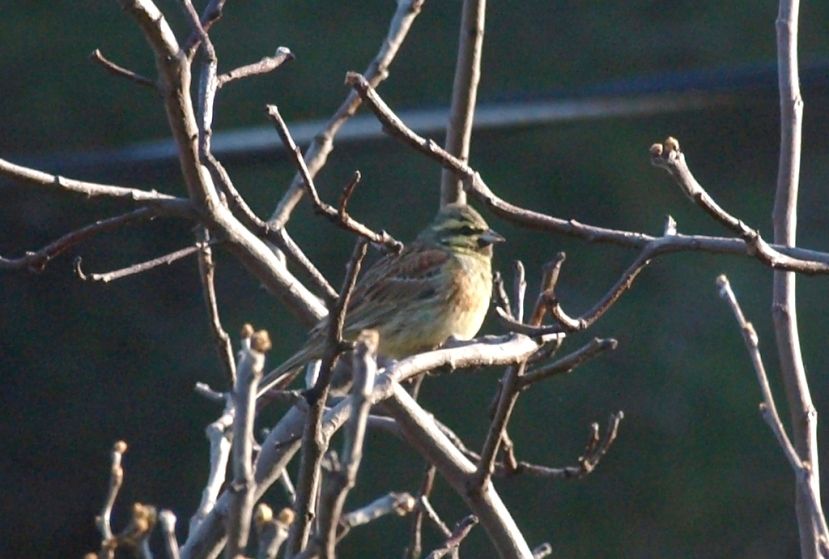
{"x": 284, "y": 375}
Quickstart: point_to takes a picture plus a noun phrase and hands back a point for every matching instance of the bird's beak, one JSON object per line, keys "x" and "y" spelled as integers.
{"x": 490, "y": 237}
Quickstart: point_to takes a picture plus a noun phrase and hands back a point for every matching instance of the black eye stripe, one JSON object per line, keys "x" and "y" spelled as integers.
{"x": 465, "y": 230}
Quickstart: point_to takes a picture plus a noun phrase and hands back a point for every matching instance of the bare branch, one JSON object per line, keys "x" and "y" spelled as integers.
{"x": 569, "y": 362}
{"x": 518, "y": 291}
{"x": 167, "y": 259}
{"x": 476, "y": 186}
{"x": 120, "y": 71}
{"x": 421, "y": 431}
{"x": 116, "y": 478}
{"x": 313, "y": 444}
{"x": 415, "y": 547}
{"x": 392, "y": 503}
{"x": 174, "y": 84}
{"x": 804, "y": 471}
{"x": 542, "y": 551}
{"x": 344, "y": 478}
{"x": 594, "y": 451}
{"x": 168, "y": 527}
{"x": 464, "y": 94}
{"x": 282, "y": 442}
{"x": 265, "y": 65}
{"x": 212, "y": 13}
{"x": 509, "y": 390}
{"x": 242, "y": 490}
{"x": 317, "y": 153}
{"x": 207, "y": 272}
{"x": 338, "y": 217}
{"x": 462, "y": 529}
{"x": 36, "y": 261}
{"x": 669, "y": 157}
{"x": 33, "y": 177}
{"x": 219, "y": 434}
{"x": 751, "y": 340}
{"x": 811, "y": 521}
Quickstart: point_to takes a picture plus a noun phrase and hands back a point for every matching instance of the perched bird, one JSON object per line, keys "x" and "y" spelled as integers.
{"x": 438, "y": 287}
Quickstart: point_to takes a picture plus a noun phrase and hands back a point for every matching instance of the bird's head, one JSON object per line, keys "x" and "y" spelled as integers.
{"x": 459, "y": 227}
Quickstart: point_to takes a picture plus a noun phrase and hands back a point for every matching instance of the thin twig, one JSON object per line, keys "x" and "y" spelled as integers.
{"x": 594, "y": 451}
{"x": 32, "y": 177}
{"x": 174, "y": 82}
{"x": 500, "y": 298}
{"x": 377, "y": 71}
{"x": 116, "y": 479}
{"x": 549, "y": 282}
{"x": 425, "y": 504}
{"x": 464, "y": 94}
{"x": 265, "y": 65}
{"x": 462, "y": 529}
{"x": 518, "y": 291}
{"x": 141, "y": 267}
{"x": 803, "y": 469}
{"x": 569, "y": 362}
{"x": 212, "y": 13}
{"x": 338, "y": 217}
{"x": 207, "y": 273}
{"x": 36, "y": 261}
{"x": 509, "y": 390}
{"x": 113, "y": 68}
{"x": 415, "y": 547}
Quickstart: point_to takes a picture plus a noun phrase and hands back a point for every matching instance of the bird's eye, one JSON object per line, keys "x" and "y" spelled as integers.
{"x": 467, "y": 230}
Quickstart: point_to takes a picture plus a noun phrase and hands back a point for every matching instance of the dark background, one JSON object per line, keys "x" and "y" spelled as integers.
{"x": 695, "y": 472}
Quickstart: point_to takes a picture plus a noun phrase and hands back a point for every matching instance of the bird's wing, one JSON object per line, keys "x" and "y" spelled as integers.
{"x": 391, "y": 285}
{"x": 395, "y": 283}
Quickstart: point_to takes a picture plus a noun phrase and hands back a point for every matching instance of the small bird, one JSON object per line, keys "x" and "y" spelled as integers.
{"x": 438, "y": 287}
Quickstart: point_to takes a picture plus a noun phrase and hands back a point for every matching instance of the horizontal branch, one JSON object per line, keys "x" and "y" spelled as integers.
{"x": 265, "y": 65}
{"x": 37, "y": 260}
{"x": 120, "y": 71}
{"x": 539, "y": 221}
{"x": 33, "y": 177}
{"x": 167, "y": 259}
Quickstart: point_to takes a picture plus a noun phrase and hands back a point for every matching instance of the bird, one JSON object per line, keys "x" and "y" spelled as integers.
{"x": 438, "y": 287}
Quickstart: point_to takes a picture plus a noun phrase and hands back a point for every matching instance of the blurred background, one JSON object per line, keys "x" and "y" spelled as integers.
{"x": 695, "y": 471}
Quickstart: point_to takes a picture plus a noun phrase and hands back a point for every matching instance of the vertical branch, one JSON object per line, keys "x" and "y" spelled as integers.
{"x": 464, "y": 93}
{"x": 167, "y": 520}
{"x": 242, "y": 489}
{"x": 116, "y": 478}
{"x": 207, "y": 272}
{"x": 343, "y": 479}
{"x": 314, "y": 441}
{"x": 510, "y": 389}
{"x": 784, "y": 305}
